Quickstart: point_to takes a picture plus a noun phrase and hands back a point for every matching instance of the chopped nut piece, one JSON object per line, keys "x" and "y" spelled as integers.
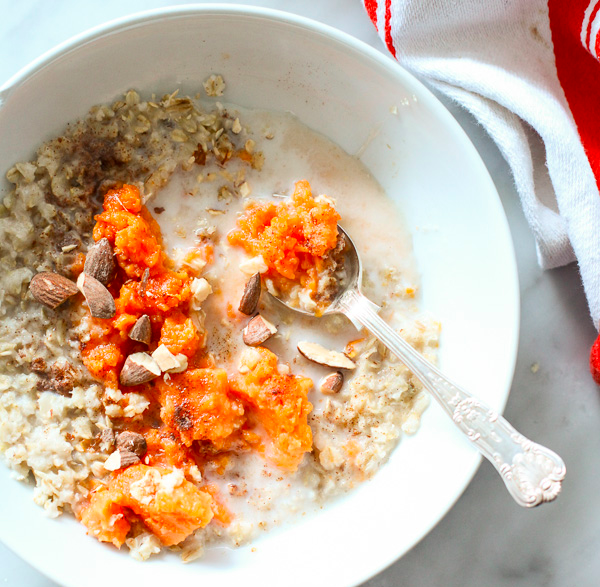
{"x": 120, "y": 459}
{"x": 98, "y": 298}
{"x": 251, "y": 295}
{"x": 332, "y": 383}
{"x": 165, "y": 359}
{"x": 100, "y": 262}
{"x": 128, "y": 458}
{"x": 107, "y": 439}
{"x": 142, "y": 330}
{"x": 201, "y": 289}
{"x": 254, "y": 265}
{"x": 236, "y": 127}
{"x": 51, "y": 289}
{"x": 183, "y": 363}
{"x": 132, "y": 442}
{"x": 258, "y": 330}
{"x": 144, "y": 281}
{"x": 319, "y": 354}
{"x": 139, "y": 368}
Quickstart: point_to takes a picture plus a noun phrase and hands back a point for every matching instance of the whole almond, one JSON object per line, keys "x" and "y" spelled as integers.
{"x": 319, "y": 354}
{"x": 332, "y": 383}
{"x": 100, "y": 262}
{"x": 51, "y": 289}
{"x": 251, "y": 295}
{"x": 98, "y": 298}
{"x": 138, "y": 368}
{"x": 257, "y": 331}
{"x": 133, "y": 442}
{"x": 142, "y": 330}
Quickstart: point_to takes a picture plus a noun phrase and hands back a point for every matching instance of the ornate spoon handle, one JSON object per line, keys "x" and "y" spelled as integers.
{"x": 532, "y": 473}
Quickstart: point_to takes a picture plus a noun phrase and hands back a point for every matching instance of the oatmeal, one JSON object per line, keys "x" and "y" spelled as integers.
{"x": 148, "y": 384}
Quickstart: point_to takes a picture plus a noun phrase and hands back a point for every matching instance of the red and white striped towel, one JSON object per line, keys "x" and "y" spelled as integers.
{"x": 514, "y": 63}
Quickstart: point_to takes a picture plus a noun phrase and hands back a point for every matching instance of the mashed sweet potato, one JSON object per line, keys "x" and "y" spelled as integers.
{"x": 169, "y": 506}
{"x": 293, "y": 236}
{"x": 200, "y": 414}
{"x": 164, "y": 295}
{"x": 279, "y": 403}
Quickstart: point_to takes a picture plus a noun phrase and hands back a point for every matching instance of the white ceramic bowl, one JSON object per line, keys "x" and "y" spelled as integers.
{"x": 344, "y": 89}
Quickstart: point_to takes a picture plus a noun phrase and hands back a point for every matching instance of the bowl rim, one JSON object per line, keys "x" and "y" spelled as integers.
{"x": 141, "y": 18}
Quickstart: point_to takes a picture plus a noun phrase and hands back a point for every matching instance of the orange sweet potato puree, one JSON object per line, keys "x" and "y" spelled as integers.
{"x": 280, "y": 404}
{"x": 292, "y": 236}
{"x": 198, "y": 415}
{"x": 137, "y": 243}
{"x": 170, "y": 514}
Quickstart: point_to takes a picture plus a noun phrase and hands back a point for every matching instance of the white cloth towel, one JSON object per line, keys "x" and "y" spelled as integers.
{"x": 497, "y": 59}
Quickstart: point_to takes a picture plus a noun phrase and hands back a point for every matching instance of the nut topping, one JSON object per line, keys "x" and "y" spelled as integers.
{"x": 319, "y": 354}
{"x": 100, "y": 262}
{"x": 132, "y": 442}
{"x": 144, "y": 281}
{"x": 167, "y": 361}
{"x": 139, "y": 368}
{"x": 142, "y": 330}
{"x": 51, "y": 289}
{"x": 251, "y": 295}
{"x": 120, "y": 459}
{"x": 106, "y": 439}
{"x": 257, "y": 331}
{"x": 332, "y": 383}
{"x": 98, "y": 298}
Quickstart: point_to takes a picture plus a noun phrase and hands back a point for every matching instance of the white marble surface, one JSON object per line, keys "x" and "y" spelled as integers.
{"x": 486, "y": 540}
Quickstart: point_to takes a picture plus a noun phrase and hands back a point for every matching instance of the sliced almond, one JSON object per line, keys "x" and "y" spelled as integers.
{"x": 51, "y": 289}
{"x": 257, "y": 331}
{"x": 142, "y": 330}
{"x": 132, "y": 442}
{"x": 251, "y": 295}
{"x": 319, "y": 354}
{"x": 332, "y": 383}
{"x": 139, "y": 368}
{"x": 98, "y": 298}
{"x": 120, "y": 459}
{"x": 100, "y": 261}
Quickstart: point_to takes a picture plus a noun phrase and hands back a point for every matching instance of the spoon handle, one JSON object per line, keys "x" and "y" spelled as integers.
{"x": 532, "y": 473}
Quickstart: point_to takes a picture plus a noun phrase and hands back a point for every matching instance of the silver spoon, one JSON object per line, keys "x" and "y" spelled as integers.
{"x": 532, "y": 473}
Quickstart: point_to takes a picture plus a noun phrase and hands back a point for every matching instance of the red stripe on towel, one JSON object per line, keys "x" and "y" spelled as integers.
{"x": 588, "y": 32}
{"x": 578, "y": 72}
{"x": 371, "y": 6}
{"x": 388, "y": 27}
